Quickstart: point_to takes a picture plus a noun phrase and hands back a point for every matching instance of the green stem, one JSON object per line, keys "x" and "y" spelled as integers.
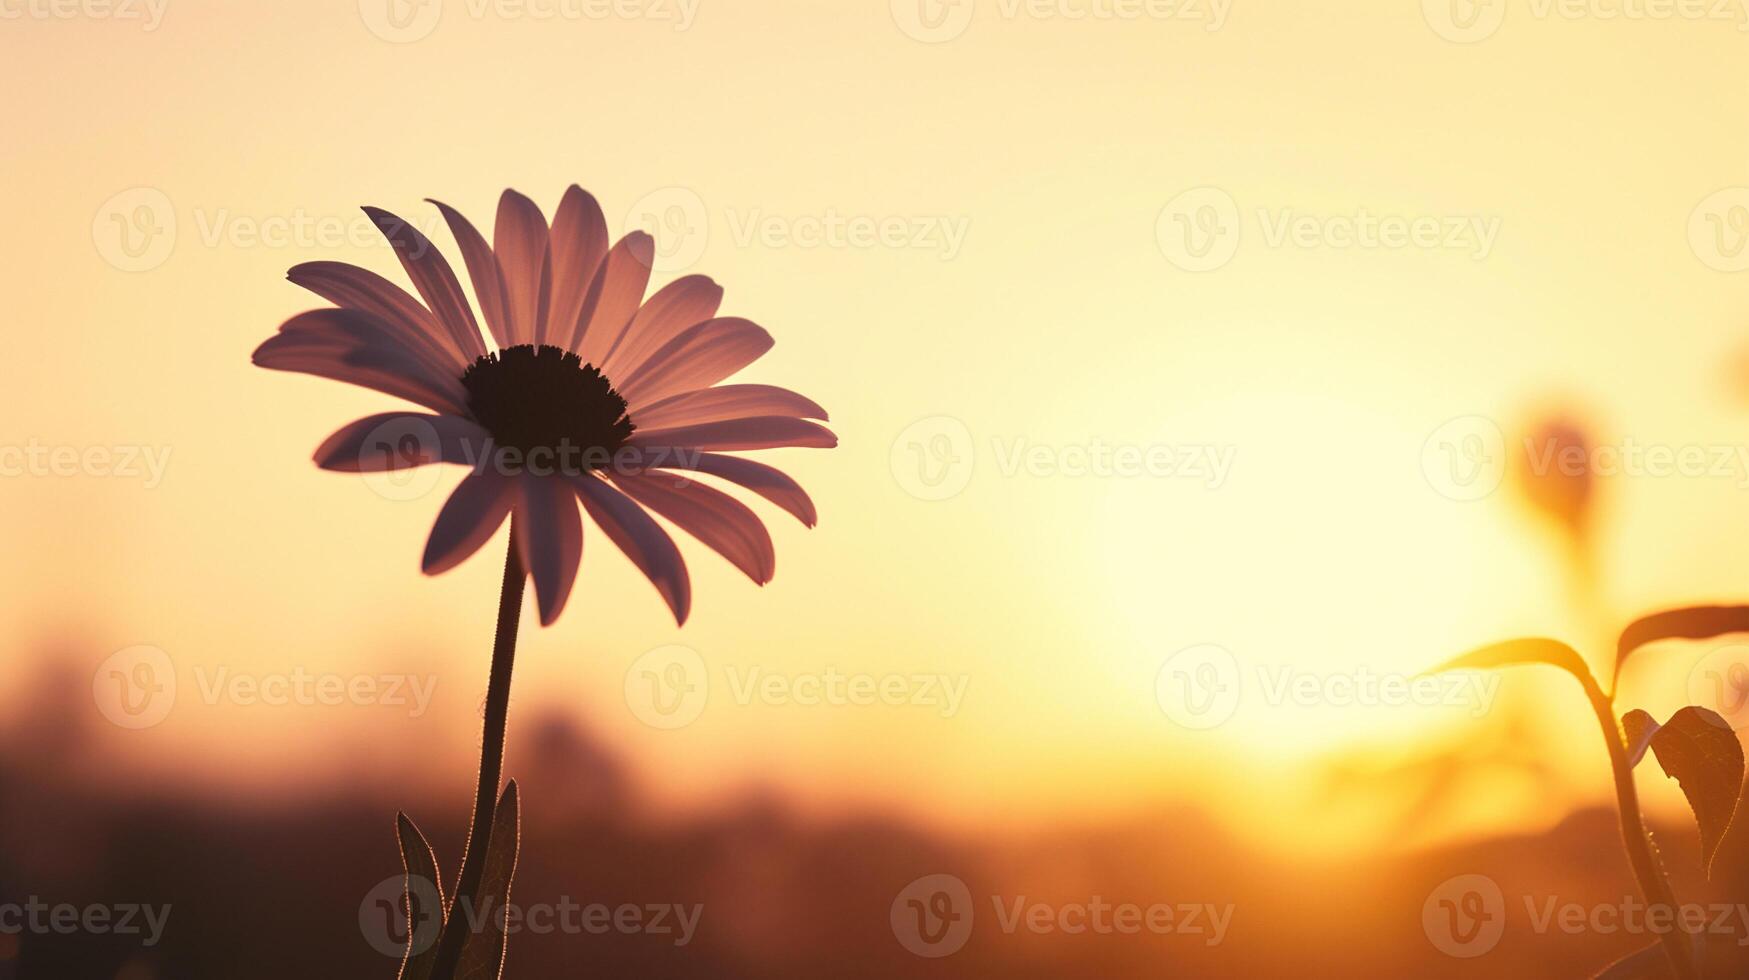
{"x": 455, "y": 929}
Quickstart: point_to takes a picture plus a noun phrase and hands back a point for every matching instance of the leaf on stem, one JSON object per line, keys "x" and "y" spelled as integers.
{"x": 1698, "y": 749}
{"x": 422, "y": 898}
{"x": 1514, "y": 653}
{"x": 483, "y": 953}
{"x": 1640, "y": 727}
{"x": 1693, "y": 623}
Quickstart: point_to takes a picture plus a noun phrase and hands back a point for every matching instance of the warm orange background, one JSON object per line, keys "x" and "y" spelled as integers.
{"x": 1060, "y": 321}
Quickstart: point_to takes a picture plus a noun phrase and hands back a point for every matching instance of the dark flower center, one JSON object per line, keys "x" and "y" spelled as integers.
{"x": 547, "y": 401}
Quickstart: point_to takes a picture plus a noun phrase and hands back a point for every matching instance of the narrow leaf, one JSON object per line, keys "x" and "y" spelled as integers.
{"x": 1640, "y": 728}
{"x": 1650, "y": 963}
{"x": 483, "y": 952}
{"x": 423, "y": 897}
{"x": 1693, "y": 623}
{"x": 1698, "y": 749}
{"x": 1515, "y": 653}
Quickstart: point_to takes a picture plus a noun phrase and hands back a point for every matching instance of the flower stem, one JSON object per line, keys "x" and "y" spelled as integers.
{"x": 1654, "y": 886}
{"x": 455, "y": 930}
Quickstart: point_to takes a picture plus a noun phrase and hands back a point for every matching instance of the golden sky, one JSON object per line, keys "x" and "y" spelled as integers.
{"x": 965, "y": 225}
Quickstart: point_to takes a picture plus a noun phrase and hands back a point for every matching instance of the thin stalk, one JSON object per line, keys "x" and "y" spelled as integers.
{"x": 1654, "y": 886}
{"x": 455, "y": 930}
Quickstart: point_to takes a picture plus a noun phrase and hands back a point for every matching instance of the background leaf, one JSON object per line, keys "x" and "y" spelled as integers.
{"x": 1693, "y": 623}
{"x": 1698, "y": 749}
{"x": 424, "y": 898}
{"x": 483, "y": 954}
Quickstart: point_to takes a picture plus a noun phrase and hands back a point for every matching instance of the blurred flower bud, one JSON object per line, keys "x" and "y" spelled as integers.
{"x": 1555, "y": 473}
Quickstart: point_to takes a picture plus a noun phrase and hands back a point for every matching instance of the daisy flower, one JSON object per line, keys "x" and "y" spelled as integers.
{"x": 585, "y": 392}
{"x": 589, "y": 394}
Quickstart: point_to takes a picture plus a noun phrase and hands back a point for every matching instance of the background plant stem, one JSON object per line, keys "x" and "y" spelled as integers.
{"x": 455, "y": 930}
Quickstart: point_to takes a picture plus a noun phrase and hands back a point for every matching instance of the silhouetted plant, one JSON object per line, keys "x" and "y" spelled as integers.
{"x": 1696, "y": 747}
{"x": 593, "y": 395}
